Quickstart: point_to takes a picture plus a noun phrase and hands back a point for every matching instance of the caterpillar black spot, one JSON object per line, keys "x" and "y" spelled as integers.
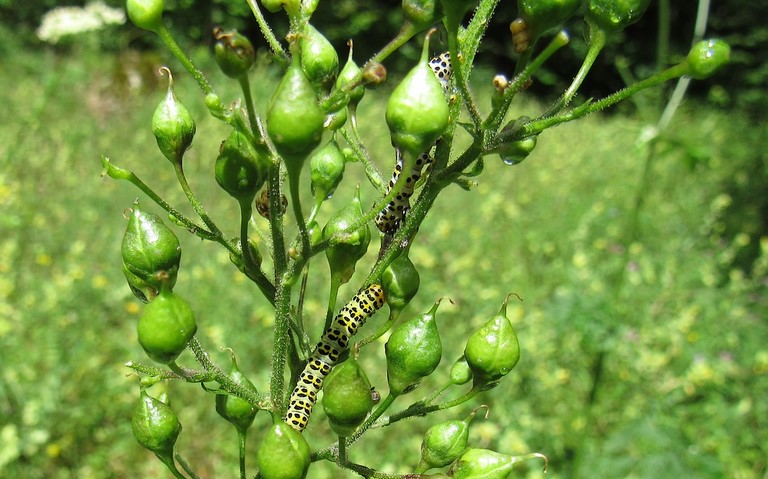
{"x": 333, "y": 343}
{"x": 391, "y": 217}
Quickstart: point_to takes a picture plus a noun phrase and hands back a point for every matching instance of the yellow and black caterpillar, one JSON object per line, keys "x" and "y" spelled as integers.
{"x": 334, "y": 341}
{"x": 391, "y": 217}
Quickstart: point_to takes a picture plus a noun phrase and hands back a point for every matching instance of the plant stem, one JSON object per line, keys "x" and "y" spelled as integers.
{"x": 597, "y": 40}
{"x": 167, "y": 38}
{"x": 332, "y": 295}
{"x": 245, "y": 85}
{"x": 168, "y": 461}
{"x": 280, "y": 55}
{"x": 196, "y": 205}
{"x": 241, "y": 436}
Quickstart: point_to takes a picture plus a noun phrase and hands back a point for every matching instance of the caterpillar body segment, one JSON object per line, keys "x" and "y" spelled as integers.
{"x": 390, "y": 218}
{"x": 333, "y": 343}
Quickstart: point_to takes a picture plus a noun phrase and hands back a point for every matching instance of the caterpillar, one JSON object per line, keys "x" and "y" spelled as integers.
{"x": 391, "y": 216}
{"x": 333, "y": 343}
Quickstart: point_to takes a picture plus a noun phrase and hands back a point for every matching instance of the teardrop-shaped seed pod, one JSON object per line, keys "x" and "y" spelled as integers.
{"x": 326, "y": 168}
{"x": 240, "y": 169}
{"x": 400, "y": 282}
{"x": 417, "y": 111}
{"x": 294, "y": 119}
{"x": 165, "y": 327}
{"x": 283, "y": 453}
{"x": 151, "y": 254}
{"x": 348, "y": 74}
{"x": 237, "y": 411}
{"x": 234, "y": 53}
{"x": 352, "y": 245}
{"x": 318, "y": 58}
{"x": 540, "y": 16}
{"x": 615, "y": 15}
{"x": 493, "y": 350}
{"x": 413, "y": 352}
{"x": 347, "y": 397}
{"x": 173, "y": 125}
{"x": 155, "y": 425}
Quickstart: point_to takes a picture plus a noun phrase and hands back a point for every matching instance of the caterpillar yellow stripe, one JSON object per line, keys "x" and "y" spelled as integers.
{"x": 391, "y": 216}
{"x": 333, "y": 343}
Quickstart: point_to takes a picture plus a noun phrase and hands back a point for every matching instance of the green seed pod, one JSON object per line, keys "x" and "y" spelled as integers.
{"x": 240, "y": 169}
{"x": 348, "y": 73}
{"x": 454, "y": 11}
{"x": 347, "y": 397}
{"x": 151, "y": 254}
{"x": 615, "y": 15}
{"x": 706, "y": 57}
{"x": 146, "y": 14}
{"x": 234, "y": 53}
{"x": 294, "y": 120}
{"x": 540, "y": 16}
{"x": 166, "y": 326}
{"x": 483, "y": 464}
{"x": 318, "y": 59}
{"x": 493, "y": 350}
{"x": 417, "y": 111}
{"x": 155, "y": 426}
{"x": 445, "y": 442}
{"x": 421, "y": 13}
{"x": 352, "y": 245}
{"x": 283, "y": 453}
{"x": 413, "y": 351}
{"x": 275, "y": 6}
{"x": 335, "y": 120}
{"x": 461, "y": 373}
{"x": 172, "y": 125}
{"x": 326, "y": 168}
{"x": 400, "y": 282}
{"x": 239, "y": 412}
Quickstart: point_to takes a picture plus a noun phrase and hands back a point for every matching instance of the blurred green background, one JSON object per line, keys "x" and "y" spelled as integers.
{"x": 642, "y": 266}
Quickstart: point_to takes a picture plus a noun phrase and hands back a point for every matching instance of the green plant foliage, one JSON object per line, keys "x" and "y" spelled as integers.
{"x": 640, "y": 328}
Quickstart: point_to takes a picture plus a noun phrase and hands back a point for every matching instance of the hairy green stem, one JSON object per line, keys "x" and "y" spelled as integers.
{"x": 280, "y": 55}
{"x": 167, "y": 38}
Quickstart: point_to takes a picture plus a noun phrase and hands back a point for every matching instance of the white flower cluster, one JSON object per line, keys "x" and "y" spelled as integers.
{"x": 63, "y": 21}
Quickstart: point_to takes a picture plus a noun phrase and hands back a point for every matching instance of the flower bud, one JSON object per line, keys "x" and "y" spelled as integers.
{"x": 445, "y": 442}
{"x": 413, "y": 351}
{"x": 234, "y": 53}
{"x": 172, "y": 125}
{"x": 460, "y": 372}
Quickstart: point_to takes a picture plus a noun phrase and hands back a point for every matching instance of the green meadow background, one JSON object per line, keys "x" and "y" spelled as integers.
{"x": 641, "y": 267}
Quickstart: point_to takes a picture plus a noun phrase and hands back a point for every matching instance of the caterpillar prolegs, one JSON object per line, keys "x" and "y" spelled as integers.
{"x": 333, "y": 342}
{"x": 391, "y": 217}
